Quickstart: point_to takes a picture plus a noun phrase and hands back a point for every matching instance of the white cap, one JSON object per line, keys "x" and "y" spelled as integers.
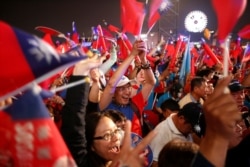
{"x": 123, "y": 81}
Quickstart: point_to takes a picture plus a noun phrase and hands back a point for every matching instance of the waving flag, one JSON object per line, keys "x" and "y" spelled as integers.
{"x": 245, "y": 32}
{"x": 132, "y": 16}
{"x": 176, "y": 52}
{"x": 47, "y": 38}
{"x": 157, "y": 8}
{"x": 186, "y": 64}
{"x": 246, "y": 56}
{"x": 187, "y": 71}
{"x": 210, "y": 52}
{"x": 101, "y": 39}
{"x": 26, "y": 58}
{"x": 111, "y": 27}
{"x": 29, "y": 137}
{"x": 75, "y": 35}
{"x": 125, "y": 46}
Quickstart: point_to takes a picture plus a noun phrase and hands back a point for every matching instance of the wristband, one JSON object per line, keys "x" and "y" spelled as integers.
{"x": 145, "y": 66}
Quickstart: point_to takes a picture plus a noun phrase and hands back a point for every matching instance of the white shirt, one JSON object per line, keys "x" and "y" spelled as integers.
{"x": 166, "y": 131}
{"x": 187, "y": 99}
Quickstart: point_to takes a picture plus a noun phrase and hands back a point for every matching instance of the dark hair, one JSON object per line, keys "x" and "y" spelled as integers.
{"x": 204, "y": 72}
{"x": 92, "y": 120}
{"x": 170, "y": 104}
{"x": 175, "y": 89}
{"x": 193, "y": 114}
{"x": 115, "y": 115}
{"x": 177, "y": 153}
{"x": 197, "y": 82}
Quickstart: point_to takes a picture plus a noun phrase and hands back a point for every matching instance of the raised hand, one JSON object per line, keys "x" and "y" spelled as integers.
{"x": 132, "y": 157}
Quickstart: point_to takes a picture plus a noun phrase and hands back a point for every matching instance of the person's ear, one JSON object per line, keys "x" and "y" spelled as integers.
{"x": 196, "y": 88}
{"x": 93, "y": 148}
{"x": 182, "y": 119}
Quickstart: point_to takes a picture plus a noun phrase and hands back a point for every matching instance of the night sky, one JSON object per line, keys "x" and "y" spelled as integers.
{"x": 59, "y": 14}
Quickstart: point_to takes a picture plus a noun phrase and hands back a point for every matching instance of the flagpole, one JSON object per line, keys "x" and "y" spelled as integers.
{"x": 245, "y": 52}
{"x": 70, "y": 85}
{"x": 150, "y": 29}
{"x": 225, "y": 46}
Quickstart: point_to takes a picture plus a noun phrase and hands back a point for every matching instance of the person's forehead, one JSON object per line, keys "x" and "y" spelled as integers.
{"x": 203, "y": 84}
{"x": 105, "y": 124}
{"x": 238, "y": 92}
{"x": 124, "y": 86}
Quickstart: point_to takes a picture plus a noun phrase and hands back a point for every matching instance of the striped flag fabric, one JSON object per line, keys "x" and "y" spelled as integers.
{"x": 29, "y": 137}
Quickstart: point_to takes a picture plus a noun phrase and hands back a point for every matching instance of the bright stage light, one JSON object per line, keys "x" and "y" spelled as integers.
{"x": 195, "y": 21}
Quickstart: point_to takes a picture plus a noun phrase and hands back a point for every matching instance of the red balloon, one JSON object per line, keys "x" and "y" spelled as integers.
{"x": 245, "y": 32}
{"x": 228, "y": 12}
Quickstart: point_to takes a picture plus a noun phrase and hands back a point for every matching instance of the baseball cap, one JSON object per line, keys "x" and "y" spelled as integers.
{"x": 193, "y": 113}
{"x": 235, "y": 86}
{"x": 123, "y": 81}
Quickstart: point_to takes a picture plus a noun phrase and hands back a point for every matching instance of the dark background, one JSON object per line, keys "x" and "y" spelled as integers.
{"x": 59, "y": 14}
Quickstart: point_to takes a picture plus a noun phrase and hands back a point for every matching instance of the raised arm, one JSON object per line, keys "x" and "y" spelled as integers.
{"x": 150, "y": 80}
{"x": 113, "y": 57}
{"x": 73, "y": 113}
{"x": 111, "y": 85}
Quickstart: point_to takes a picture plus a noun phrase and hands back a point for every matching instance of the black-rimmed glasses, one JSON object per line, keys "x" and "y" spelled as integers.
{"x": 108, "y": 136}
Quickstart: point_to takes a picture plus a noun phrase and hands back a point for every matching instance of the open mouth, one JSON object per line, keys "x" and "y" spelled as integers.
{"x": 115, "y": 149}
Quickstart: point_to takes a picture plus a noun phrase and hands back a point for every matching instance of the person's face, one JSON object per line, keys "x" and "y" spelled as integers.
{"x": 202, "y": 90}
{"x": 121, "y": 124}
{"x": 107, "y": 149}
{"x": 237, "y": 137}
{"x": 184, "y": 126}
{"x": 210, "y": 89}
{"x": 210, "y": 76}
{"x": 140, "y": 76}
{"x": 122, "y": 94}
{"x": 239, "y": 97}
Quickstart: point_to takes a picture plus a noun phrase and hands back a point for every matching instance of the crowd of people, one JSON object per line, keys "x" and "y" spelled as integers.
{"x": 201, "y": 122}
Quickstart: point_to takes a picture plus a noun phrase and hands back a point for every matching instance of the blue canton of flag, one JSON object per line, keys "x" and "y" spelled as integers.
{"x": 25, "y": 58}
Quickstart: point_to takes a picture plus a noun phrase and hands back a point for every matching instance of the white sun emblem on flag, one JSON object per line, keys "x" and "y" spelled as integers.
{"x": 164, "y": 6}
{"x": 42, "y": 50}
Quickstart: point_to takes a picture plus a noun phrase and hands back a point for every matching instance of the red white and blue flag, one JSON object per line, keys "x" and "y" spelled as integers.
{"x": 29, "y": 137}
{"x": 132, "y": 16}
{"x": 157, "y": 8}
{"x": 25, "y": 58}
{"x": 246, "y": 56}
{"x": 75, "y": 35}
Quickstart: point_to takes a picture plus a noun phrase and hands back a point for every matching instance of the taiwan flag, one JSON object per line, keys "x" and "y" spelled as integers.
{"x": 157, "y": 8}
{"x": 26, "y": 58}
{"x": 246, "y": 56}
{"x": 29, "y": 137}
{"x": 132, "y": 16}
{"x": 75, "y": 35}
